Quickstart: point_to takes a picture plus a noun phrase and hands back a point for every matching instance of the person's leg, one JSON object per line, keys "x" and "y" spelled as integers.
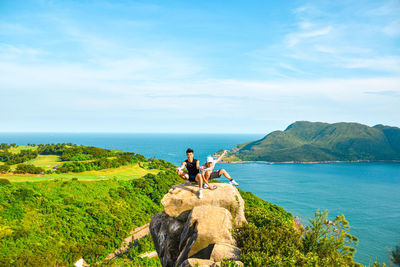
{"x": 207, "y": 175}
{"x": 199, "y": 180}
{"x": 226, "y": 174}
{"x": 184, "y": 175}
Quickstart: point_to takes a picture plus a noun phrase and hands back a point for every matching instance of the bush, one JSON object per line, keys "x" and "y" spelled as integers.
{"x": 330, "y": 240}
{"x": 28, "y": 168}
{"x": 4, "y": 181}
{"x": 270, "y": 238}
{"x": 395, "y": 256}
{"x": 4, "y": 168}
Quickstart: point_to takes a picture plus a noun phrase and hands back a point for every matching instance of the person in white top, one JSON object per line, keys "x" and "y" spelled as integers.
{"x": 207, "y": 170}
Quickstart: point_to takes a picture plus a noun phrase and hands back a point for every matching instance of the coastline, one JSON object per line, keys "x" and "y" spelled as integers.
{"x": 307, "y": 162}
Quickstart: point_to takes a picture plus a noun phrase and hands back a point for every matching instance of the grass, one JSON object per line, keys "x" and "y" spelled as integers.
{"x": 19, "y": 148}
{"x": 231, "y": 158}
{"x": 45, "y": 161}
{"x": 132, "y": 171}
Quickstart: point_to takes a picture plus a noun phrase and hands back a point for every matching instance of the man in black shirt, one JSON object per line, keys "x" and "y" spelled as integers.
{"x": 192, "y": 175}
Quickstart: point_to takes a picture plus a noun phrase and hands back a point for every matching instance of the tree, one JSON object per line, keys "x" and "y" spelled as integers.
{"x": 330, "y": 240}
{"x": 4, "y": 168}
{"x": 395, "y": 257}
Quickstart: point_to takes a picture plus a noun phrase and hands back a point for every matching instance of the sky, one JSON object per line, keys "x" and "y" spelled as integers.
{"x": 197, "y": 66}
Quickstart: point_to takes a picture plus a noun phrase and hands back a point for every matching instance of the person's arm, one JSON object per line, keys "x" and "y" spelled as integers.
{"x": 206, "y": 182}
{"x": 198, "y": 164}
{"x": 181, "y": 167}
{"x": 220, "y": 157}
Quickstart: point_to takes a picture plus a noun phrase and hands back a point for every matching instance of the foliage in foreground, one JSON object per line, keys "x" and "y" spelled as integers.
{"x": 56, "y": 222}
{"x": 395, "y": 256}
{"x": 132, "y": 255}
{"x": 270, "y": 239}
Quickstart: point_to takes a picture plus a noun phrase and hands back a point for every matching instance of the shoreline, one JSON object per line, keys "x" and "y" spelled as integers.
{"x": 307, "y": 162}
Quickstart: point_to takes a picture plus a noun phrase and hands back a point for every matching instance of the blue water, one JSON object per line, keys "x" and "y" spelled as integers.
{"x": 368, "y": 194}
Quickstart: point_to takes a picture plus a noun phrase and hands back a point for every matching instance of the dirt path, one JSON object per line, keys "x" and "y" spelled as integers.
{"x": 136, "y": 234}
{"x": 149, "y": 254}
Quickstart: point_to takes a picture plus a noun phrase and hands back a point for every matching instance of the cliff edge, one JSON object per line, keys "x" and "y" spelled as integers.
{"x": 194, "y": 231}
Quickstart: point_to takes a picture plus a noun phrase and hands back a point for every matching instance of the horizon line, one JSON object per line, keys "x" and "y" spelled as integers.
{"x": 19, "y": 132}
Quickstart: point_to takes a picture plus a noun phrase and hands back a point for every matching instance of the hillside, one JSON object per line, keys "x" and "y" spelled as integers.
{"x": 65, "y": 161}
{"x": 305, "y": 141}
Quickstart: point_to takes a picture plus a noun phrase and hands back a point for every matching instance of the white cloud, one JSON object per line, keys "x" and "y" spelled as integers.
{"x": 389, "y": 64}
{"x": 295, "y": 38}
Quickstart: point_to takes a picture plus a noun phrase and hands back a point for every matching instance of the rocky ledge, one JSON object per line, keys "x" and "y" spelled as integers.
{"x": 198, "y": 232}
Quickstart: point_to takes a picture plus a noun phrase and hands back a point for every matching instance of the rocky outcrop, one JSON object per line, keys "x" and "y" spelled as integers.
{"x": 194, "y": 231}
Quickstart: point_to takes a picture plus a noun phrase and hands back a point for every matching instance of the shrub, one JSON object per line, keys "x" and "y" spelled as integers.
{"x": 4, "y": 181}
{"x": 28, "y": 168}
{"x": 395, "y": 256}
{"x": 4, "y": 168}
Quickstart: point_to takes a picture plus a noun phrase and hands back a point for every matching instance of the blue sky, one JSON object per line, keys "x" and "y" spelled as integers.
{"x": 197, "y": 66}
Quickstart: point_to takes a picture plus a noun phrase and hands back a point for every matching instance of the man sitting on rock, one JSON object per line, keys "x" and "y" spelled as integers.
{"x": 192, "y": 175}
{"x": 207, "y": 171}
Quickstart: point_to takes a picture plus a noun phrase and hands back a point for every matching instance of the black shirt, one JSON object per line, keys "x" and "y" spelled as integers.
{"x": 192, "y": 167}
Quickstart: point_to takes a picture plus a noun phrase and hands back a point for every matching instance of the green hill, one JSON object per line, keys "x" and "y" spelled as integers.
{"x": 305, "y": 141}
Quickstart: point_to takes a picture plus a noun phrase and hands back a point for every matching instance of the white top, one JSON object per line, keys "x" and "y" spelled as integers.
{"x": 204, "y": 167}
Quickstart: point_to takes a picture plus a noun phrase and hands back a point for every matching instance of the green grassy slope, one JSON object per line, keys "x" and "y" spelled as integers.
{"x": 315, "y": 141}
{"x": 54, "y": 223}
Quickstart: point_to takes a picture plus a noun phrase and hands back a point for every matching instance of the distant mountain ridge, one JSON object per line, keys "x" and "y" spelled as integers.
{"x": 305, "y": 141}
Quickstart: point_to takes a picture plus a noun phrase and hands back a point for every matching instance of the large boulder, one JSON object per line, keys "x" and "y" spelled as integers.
{"x": 183, "y": 198}
{"x": 197, "y": 230}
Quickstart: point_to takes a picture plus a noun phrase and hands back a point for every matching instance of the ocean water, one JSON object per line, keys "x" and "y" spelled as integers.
{"x": 368, "y": 194}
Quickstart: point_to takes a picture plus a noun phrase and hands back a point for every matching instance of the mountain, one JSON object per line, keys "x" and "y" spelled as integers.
{"x": 306, "y": 141}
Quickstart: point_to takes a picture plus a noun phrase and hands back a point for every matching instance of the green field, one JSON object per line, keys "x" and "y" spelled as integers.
{"x": 46, "y": 161}
{"x": 19, "y": 148}
{"x": 124, "y": 172}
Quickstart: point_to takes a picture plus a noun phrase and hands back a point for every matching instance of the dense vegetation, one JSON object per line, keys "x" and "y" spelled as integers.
{"x": 395, "y": 255}
{"x": 56, "y": 222}
{"x": 270, "y": 238}
{"x": 10, "y": 158}
{"x": 72, "y": 158}
{"x": 305, "y": 141}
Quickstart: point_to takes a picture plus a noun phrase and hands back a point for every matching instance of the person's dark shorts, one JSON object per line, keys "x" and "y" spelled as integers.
{"x": 215, "y": 174}
{"x": 192, "y": 177}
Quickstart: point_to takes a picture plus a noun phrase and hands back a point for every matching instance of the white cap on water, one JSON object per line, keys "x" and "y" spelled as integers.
{"x": 210, "y": 159}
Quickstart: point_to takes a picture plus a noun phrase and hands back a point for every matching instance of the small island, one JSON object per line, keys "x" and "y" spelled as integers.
{"x": 318, "y": 142}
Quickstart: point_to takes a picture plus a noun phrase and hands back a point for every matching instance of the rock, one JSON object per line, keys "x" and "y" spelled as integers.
{"x": 192, "y": 230}
{"x": 222, "y": 251}
{"x": 218, "y": 264}
{"x": 192, "y": 262}
{"x": 184, "y": 198}
{"x": 166, "y": 231}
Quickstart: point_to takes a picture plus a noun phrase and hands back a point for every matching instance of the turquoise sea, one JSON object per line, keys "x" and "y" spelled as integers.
{"x": 368, "y": 194}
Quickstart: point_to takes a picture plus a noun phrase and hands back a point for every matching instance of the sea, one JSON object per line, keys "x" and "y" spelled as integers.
{"x": 367, "y": 193}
